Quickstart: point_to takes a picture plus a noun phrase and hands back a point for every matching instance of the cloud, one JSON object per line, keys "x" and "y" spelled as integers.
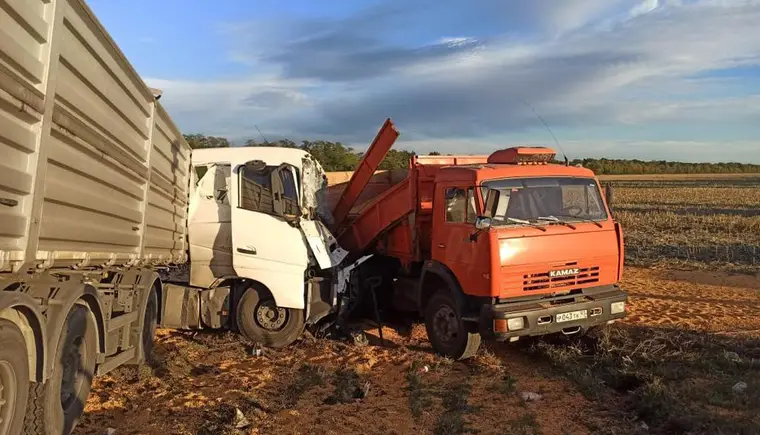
{"x": 593, "y": 67}
{"x": 644, "y": 7}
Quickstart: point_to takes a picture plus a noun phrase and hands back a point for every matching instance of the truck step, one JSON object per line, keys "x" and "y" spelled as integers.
{"x": 125, "y": 319}
{"x": 115, "y": 361}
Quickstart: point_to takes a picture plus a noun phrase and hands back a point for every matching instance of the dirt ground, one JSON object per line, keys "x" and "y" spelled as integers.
{"x": 199, "y": 381}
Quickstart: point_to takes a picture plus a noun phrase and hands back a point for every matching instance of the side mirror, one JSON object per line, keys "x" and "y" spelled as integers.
{"x": 482, "y": 223}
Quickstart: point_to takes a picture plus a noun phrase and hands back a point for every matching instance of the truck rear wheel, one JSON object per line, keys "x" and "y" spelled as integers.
{"x": 55, "y": 406}
{"x": 14, "y": 378}
{"x": 447, "y": 332}
{"x": 262, "y": 321}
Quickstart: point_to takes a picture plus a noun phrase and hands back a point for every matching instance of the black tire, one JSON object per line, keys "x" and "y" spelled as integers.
{"x": 50, "y": 412}
{"x": 14, "y": 378}
{"x": 150, "y": 323}
{"x": 281, "y": 329}
{"x": 447, "y": 332}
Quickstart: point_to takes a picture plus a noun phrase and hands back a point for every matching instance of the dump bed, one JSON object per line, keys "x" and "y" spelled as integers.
{"x": 394, "y": 212}
{"x": 92, "y": 169}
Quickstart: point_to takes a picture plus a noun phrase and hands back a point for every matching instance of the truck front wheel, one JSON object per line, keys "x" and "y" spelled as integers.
{"x": 447, "y": 332}
{"x": 260, "y": 320}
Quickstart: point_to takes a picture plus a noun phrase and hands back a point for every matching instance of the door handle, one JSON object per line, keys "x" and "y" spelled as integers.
{"x": 441, "y": 245}
{"x": 249, "y": 251}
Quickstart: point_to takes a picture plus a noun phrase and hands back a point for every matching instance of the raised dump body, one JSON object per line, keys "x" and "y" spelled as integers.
{"x": 396, "y": 205}
{"x": 94, "y": 182}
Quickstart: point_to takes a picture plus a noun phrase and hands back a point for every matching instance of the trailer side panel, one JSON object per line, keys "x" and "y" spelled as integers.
{"x": 93, "y": 170}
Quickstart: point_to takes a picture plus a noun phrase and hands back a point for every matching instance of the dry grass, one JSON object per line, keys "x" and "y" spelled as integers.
{"x": 674, "y": 380}
{"x": 699, "y": 222}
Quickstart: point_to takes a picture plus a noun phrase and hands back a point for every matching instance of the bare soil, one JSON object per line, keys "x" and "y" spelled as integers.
{"x": 198, "y": 381}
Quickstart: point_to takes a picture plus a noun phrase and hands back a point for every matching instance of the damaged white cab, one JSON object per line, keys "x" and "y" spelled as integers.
{"x": 262, "y": 260}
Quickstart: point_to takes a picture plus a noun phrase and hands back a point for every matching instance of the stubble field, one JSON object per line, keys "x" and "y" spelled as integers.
{"x": 708, "y": 222}
{"x": 685, "y": 360}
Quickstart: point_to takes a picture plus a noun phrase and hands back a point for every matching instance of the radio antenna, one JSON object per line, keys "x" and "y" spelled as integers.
{"x": 567, "y": 162}
{"x": 265, "y": 139}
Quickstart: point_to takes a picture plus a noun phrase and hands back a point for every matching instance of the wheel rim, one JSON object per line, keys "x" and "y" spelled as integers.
{"x": 73, "y": 372}
{"x": 7, "y": 395}
{"x": 271, "y": 317}
{"x": 445, "y": 324}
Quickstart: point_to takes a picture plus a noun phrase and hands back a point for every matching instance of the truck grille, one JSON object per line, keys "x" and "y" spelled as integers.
{"x": 542, "y": 281}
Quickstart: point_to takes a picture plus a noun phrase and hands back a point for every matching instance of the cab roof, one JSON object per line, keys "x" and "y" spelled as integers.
{"x": 477, "y": 173}
{"x": 240, "y": 155}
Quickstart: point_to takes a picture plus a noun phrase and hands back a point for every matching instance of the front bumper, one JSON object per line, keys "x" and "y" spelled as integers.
{"x": 540, "y": 315}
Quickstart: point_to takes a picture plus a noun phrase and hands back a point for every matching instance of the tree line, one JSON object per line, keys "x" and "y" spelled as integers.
{"x": 335, "y": 156}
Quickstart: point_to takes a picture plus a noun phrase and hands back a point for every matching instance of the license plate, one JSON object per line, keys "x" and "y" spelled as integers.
{"x": 570, "y": 316}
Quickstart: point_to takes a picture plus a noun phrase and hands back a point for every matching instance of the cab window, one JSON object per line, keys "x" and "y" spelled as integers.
{"x": 257, "y": 192}
{"x": 460, "y": 205}
{"x": 215, "y": 183}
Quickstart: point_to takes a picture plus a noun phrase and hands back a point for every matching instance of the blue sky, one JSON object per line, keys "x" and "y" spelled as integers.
{"x": 649, "y": 79}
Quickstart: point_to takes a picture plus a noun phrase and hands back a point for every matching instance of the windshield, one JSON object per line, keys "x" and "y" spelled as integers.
{"x": 523, "y": 200}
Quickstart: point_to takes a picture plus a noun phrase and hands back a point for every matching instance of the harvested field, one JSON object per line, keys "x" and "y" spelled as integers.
{"x": 686, "y": 360}
{"x": 690, "y": 337}
{"x": 702, "y": 222}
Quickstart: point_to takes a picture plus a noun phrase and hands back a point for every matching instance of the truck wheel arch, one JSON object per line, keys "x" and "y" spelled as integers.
{"x": 433, "y": 277}
{"x": 57, "y": 318}
{"x": 21, "y": 309}
{"x": 258, "y": 285}
{"x": 287, "y": 291}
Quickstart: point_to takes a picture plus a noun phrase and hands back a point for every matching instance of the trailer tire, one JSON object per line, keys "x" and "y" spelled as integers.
{"x": 261, "y": 321}
{"x": 49, "y": 411}
{"x": 447, "y": 332}
{"x": 150, "y": 323}
{"x": 14, "y": 378}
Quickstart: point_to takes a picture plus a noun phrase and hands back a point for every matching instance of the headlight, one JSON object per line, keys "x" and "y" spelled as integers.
{"x": 515, "y": 323}
{"x": 617, "y": 307}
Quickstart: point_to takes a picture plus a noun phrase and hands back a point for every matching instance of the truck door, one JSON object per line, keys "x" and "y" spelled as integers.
{"x": 209, "y": 226}
{"x": 453, "y": 225}
{"x": 267, "y": 247}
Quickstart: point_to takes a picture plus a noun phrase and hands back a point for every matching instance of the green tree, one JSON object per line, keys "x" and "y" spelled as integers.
{"x": 397, "y": 159}
{"x": 201, "y": 141}
{"x": 333, "y": 156}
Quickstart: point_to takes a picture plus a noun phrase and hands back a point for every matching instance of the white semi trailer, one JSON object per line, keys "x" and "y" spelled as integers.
{"x": 109, "y": 223}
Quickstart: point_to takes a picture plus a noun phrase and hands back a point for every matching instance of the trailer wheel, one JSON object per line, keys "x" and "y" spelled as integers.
{"x": 150, "y": 322}
{"x": 262, "y": 321}
{"x": 447, "y": 332}
{"x": 14, "y": 378}
{"x": 55, "y": 406}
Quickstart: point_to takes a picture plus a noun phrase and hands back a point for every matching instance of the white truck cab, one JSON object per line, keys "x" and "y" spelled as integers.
{"x": 258, "y": 246}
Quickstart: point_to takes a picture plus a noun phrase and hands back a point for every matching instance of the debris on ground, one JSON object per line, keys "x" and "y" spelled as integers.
{"x": 240, "y": 421}
{"x": 739, "y": 387}
{"x": 529, "y": 396}
{"x": 732, "y": 356}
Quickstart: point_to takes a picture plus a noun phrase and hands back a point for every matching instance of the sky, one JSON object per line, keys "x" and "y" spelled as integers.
{"x": 647, "y": 79}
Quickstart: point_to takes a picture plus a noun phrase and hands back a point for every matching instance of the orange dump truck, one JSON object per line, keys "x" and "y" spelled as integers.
{"x": 498, "y": 246}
